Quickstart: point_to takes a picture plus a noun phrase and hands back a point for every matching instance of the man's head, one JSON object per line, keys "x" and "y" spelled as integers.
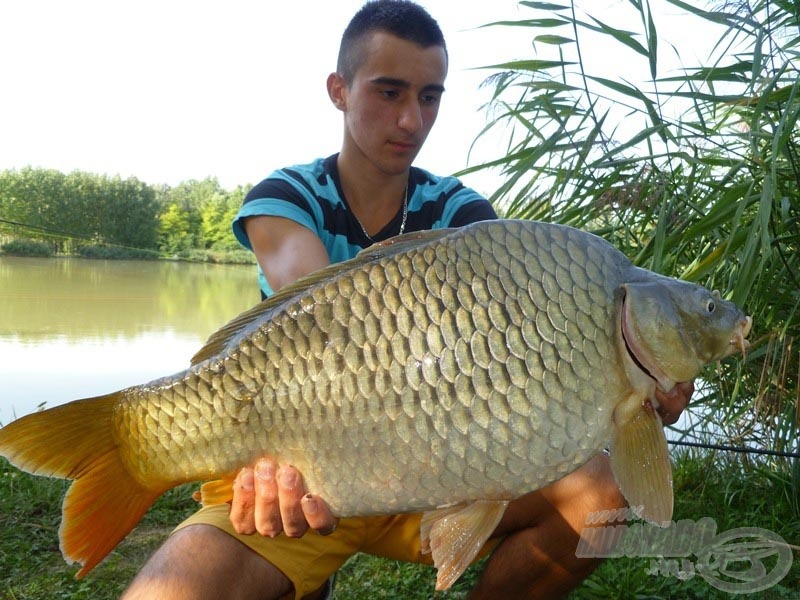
{"x": 389, "y": 84}
{"x": 400, "y": 18}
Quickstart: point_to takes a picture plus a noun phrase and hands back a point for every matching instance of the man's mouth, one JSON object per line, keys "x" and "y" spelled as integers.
{"x": 404, "y": 146}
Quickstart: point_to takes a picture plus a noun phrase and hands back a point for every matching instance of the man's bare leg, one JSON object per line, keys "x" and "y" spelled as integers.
{"x": 200, "y": 562}
{"x": 537, "y": 559}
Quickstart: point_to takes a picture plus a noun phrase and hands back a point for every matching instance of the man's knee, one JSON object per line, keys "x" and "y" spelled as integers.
{"x": 201, "y": 561}
{"x": 603, "y": 492}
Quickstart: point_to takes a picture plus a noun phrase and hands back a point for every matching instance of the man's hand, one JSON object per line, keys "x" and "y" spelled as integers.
{"x": 270, "y": 499}
{"x": 672, "y": 403}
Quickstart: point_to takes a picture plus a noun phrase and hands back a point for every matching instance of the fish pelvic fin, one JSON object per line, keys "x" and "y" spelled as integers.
{"x": 455, "y": 535}
{"x": 76, "y": 441}
{"x": 641, "y": 466}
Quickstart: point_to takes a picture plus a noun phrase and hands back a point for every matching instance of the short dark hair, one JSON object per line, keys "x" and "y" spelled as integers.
{"x": 401, "y": 18}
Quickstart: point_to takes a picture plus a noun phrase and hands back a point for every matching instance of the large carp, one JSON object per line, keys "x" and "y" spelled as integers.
{"x": 447, "y": 371}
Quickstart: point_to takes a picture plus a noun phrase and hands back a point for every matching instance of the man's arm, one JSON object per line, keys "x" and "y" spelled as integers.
{"x": 272, "y": 498}
{"x": 284, "y": 249}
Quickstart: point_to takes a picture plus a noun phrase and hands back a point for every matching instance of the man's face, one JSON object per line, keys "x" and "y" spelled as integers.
{"x": 392, "y": 102}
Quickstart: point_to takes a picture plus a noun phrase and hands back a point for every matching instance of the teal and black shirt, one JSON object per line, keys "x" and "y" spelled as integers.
{"x": 312, "y": 196}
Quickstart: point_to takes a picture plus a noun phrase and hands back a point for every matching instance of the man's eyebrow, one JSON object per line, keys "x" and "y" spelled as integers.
{"x": 403, "y": 84}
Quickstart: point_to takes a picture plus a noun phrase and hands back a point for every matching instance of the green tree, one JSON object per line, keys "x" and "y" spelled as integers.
{"x": 188, "y": 199}
{"x": 175, "y": 230}
{"x": 46, "y": 204}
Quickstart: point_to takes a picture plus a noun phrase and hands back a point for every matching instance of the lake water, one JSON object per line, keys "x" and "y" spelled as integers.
{"x": 73, "y": 328}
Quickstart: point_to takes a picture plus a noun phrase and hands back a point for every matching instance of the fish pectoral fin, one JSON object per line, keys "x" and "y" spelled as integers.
{"x": 640, "y": 462}
{"x": 454, "y": 536}
{"x": 218, "y": 491}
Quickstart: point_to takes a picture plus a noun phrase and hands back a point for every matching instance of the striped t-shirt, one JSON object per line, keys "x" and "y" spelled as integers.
{"x": 311, "y": 195}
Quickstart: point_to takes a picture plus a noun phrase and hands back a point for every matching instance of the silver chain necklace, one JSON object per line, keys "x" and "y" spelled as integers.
{"x": 402, "y": 223}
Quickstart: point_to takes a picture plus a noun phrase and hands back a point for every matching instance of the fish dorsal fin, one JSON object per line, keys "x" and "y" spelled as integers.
{"x": 640, "y": 462}
{"x": 220, "y": 339}
{"x": 402, "y": 243}
{"x": 455, "y": 535}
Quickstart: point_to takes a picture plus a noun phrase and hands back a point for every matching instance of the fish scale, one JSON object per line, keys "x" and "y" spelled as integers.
{"x": 437, "y": 368}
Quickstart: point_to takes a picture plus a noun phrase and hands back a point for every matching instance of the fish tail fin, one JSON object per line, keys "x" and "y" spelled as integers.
{"x": 76, "y": 441}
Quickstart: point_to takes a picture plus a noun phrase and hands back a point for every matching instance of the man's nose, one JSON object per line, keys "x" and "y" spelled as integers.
{"x": 410, "y": 119}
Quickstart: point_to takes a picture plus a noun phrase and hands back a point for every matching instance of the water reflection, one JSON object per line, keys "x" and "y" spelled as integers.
{"x": 72, "y": 328}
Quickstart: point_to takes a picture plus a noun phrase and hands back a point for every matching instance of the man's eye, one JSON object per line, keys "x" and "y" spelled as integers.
{"x": 391, "y": 94}
{"x": 430, "y": 99}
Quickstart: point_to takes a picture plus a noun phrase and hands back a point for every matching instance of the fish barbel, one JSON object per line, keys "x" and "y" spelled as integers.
{"x": 446, "y": 371}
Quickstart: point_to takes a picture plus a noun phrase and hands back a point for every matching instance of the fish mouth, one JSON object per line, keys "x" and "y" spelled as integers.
{"x": 637, "y": 352}
{"x": 739, "y": 341}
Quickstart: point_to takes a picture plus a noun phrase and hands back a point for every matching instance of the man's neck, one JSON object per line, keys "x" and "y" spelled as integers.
{"x": 373, "y": 197}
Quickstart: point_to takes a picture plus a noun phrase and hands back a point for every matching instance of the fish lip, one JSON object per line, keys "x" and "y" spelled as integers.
{"x": 739, "y": 341}
{"x": 636, "y": 352}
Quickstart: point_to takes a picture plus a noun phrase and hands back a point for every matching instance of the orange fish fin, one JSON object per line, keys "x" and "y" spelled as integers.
{"x": 219, "y": 491}
{"x": 429, "y": 519}
{"x": 640, "y": 462}
{"x": 76, "y": 441}
{"x": 100, "y": 508}
{"x": 455, "y": 535}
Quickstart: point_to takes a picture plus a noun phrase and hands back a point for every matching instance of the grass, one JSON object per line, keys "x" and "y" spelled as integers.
{"x": 31, "y": 566}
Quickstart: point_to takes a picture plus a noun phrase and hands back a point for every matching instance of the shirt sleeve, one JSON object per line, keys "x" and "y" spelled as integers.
{"x": 273, "y": 197}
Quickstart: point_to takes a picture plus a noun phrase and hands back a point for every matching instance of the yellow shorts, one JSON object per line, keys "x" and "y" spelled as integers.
{"x": 309, "y": 561}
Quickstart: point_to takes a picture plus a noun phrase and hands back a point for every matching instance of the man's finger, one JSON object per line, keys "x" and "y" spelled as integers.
{"x": 290, "y": 494}
{"x": 267, "y": 513}
{"x": 318, "y": 515}
{"x": 244, "y": 494}
{"x": 672, "y": 403}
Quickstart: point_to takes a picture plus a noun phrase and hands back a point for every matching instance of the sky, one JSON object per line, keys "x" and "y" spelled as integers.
{"x": 170, "y": 90}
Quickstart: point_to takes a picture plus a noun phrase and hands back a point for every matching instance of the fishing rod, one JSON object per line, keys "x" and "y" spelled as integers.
{"x": 739, "y": 449}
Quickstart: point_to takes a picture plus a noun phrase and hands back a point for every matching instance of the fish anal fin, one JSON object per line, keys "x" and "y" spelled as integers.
{"x": 455, "y": 535}
{"x": 641, "y": 466}
{"x": 219, "y": 491}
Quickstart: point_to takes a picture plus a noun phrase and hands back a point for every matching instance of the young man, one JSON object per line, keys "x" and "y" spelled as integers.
{"x": 388, "y": 85}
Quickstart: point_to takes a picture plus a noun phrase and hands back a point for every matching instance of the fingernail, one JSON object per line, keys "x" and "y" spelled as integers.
{"x": 311, "y": 504}
{"x": 246, "y": 479}
{"x": 265, "y": 470}
{"x": 288, "y": 479}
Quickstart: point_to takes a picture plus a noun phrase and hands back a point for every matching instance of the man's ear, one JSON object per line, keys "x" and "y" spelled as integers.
{"x": 337, "y": 89}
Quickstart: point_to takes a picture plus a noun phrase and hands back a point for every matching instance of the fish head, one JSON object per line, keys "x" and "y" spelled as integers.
{"x": 672, "y": 329}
